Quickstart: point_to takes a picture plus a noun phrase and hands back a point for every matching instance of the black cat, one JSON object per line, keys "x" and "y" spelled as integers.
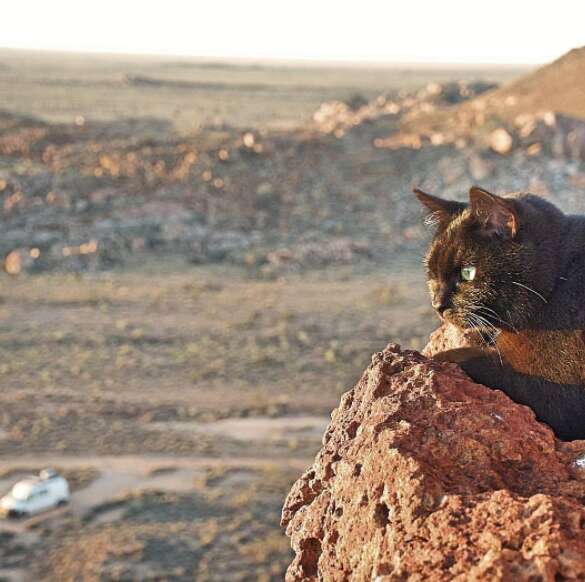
{"x": 513, "y": 268}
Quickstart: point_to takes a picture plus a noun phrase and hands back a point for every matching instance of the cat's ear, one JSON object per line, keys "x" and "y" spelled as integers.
{"x": 441, "y": 211}
{"x": 495, "y": 214}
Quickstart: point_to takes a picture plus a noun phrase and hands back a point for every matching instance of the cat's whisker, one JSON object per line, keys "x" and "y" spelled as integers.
{"x": 480, "y": 306}
{"x": 484, "y": 318}
{"x": 480, "y": 328}
{"x": 529, "y": 289}
{"x": 473, "y": 326}
{"x": 491, "y": 335}
{"x": 475, "y": 319}
{"x": 495, "y": 314}
{"x": 498, "y": 319}
{"x": 485, "y": 308}
{"x": 499, "y": 354}
{"x": 432, "y": 219}
{"x": 509, "y": 318}
{"x": 486, "y": 322}
{"x": 476, "y": 329}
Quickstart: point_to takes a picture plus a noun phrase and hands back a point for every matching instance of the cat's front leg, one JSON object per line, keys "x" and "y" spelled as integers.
{"x": 561, "y": 406}
{"x": 482, "y": 365}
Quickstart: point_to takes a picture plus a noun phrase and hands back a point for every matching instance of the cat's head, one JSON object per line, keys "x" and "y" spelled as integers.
{"x": 490, "y": 263}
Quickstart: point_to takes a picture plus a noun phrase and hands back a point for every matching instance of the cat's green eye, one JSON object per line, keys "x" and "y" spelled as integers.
{"x": 468, "y": 273}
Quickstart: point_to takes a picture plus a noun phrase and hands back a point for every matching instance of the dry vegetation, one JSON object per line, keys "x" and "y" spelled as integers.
{"x": 92, "y": 361}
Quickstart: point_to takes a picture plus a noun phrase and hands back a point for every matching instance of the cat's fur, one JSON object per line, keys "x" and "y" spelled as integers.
{"x": 527, "y": 299}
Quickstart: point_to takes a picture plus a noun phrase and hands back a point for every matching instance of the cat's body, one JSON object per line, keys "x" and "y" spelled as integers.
{"x": 523, "y": 286}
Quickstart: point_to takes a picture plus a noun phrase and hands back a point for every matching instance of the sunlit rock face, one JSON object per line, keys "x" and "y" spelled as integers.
{"x": 449, "y": 337}
{"x": 424, "y": 475}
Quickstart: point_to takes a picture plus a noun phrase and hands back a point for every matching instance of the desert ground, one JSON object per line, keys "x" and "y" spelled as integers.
{"x": 187, "y": 402}
{"x": 200, "y": 258}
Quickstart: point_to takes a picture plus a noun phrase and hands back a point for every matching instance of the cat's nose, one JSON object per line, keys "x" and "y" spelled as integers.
{"x": 441, "y": 301}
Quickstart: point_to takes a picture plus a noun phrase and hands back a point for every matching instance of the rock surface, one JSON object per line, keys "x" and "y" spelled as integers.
{"x": 450, "y": 337}
{"x": 424, "y": 475}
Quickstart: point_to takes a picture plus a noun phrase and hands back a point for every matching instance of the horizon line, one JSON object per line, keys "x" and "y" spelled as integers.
{"x": 282, "y": 61}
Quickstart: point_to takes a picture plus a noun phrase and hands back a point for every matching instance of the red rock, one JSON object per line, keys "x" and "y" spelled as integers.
{"x": 449, "y": 337}
{"x": 424, "y": 475}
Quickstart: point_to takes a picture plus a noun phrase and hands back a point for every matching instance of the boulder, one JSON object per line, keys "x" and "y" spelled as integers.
{"x": 425, "y": 475}
{"x": 501, "y": 141}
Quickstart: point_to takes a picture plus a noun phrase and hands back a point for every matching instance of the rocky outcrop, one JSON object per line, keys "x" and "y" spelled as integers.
{"x": 425, "y": 475}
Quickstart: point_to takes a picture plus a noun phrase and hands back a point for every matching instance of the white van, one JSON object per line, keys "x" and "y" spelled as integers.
{"x": 35, "y": 494}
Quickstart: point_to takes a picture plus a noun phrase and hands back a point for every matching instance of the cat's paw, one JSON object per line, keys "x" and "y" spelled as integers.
{"x": 480, "y": 364}
{"x": 459, "y": 355}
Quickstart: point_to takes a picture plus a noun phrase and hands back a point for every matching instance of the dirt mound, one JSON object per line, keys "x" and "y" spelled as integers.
{"x": 425, "y": 475}
{"x": 558, "y": 86}
{"x": 544, "y": 110}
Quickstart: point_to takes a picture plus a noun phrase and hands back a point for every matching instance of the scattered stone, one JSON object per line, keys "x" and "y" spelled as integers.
{"x": 20, "y": 260}
{"x": 264, "y": 189}
{"x": 501, "y": 141}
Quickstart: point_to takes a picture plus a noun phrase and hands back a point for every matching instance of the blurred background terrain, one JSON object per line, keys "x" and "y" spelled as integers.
{"x": 200, "y": 256}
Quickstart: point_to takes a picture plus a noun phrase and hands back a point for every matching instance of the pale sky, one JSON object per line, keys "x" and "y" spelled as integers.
{"x": 493, "y": 31}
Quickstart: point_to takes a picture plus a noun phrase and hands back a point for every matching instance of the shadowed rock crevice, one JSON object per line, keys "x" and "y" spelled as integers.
{"x": 426, "y": 475}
